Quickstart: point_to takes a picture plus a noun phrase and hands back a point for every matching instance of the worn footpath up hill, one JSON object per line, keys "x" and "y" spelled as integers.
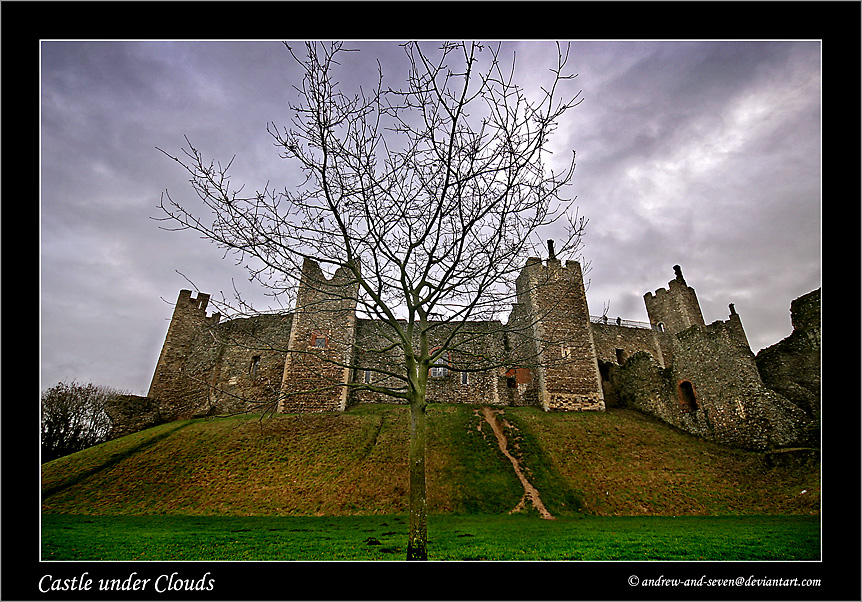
{"x": 618, "y": 462}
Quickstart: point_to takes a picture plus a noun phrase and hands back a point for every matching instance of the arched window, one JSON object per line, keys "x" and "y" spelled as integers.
{"x": 687, "y": 398}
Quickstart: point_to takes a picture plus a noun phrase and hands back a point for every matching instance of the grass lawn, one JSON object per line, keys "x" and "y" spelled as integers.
{"x": 451, "y": 537}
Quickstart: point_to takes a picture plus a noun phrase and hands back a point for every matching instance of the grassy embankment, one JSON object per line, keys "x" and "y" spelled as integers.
{"x": 296, "y": 470}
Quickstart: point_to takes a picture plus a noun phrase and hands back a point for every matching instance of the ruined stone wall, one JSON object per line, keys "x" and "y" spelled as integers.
{"x": 178, "y": 394}
{"x": 791, "y": 367}
{"x": 643, "y": 384}
{"x": 321, "y": 342}
{"x": 615, "y": 344}
{"x": 478, "y": 344}
{"x": 733, "y": 404}
{"x": 712, "y": 390}
{"x": 242, "y": 362}
{"x": 553, "y": 297}
{"x": 132, "y": 413}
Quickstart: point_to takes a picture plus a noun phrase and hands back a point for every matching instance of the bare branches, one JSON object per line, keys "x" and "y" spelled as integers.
{"x": 431, "y": 195}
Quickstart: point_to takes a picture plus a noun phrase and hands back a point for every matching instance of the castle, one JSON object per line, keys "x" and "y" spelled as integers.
{"x": 701, "y": 378}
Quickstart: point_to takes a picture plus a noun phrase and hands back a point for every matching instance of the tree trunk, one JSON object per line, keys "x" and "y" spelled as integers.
{"x": 417, "y": 539}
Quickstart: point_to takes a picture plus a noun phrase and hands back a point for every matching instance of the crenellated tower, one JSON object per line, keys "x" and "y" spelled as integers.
{"x": 174, "y": 390}
{"x": 703, "y": 379}
{"x": 322, "y": 337}
{"x": 552, "y": 304}
{"x": 674, "y": 309}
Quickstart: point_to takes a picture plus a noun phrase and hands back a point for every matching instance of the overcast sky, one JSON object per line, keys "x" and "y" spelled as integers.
{"x": 703, "y": 154}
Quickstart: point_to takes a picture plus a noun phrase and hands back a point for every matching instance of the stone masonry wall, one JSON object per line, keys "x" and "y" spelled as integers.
{"x": 734, "y": 406}
{"x": 321, "y": 342}
{"x": 179, "y": 394}
{"x": 642, "y": 384}
{"x": 791, "y": 367}
{"x": 458, "y": 383}
{"x": 615, "y": 344}
{"x": 567, "y": 374}
{"x": 132, "y": 413}
{"x": 242, "y": 362}
{"x": 712, "y": 390}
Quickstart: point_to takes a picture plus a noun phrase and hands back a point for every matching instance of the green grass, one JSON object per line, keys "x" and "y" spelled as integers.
{"x": 451, "y": 537}
{"x": 335, "y": 486}
{"x": 469, "y": 473}
{"x": 615, "y": 463}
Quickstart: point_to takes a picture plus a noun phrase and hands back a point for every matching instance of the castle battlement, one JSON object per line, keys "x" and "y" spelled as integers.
{"x": 702, "y": 379}
{"x": 552, "y": 269}
{"x": 198, "y": 305}
{"x": 675, "y": 308}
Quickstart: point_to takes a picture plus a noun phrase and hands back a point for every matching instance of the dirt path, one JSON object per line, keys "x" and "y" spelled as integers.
{"x": 530, "y": 492}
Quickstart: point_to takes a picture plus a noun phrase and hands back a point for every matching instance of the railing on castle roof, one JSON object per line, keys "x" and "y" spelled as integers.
{"x": 621, "y": 322}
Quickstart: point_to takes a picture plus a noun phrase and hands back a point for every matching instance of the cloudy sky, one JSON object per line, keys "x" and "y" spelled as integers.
{"x": 703, "y": 154}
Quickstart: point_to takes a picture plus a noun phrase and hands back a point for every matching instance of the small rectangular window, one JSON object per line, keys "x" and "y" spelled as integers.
{"x": 464, "y": 379}
{"x": 319, "y": 340}
{"x": 255, "y": 364}
{"x": 367, "y": 377}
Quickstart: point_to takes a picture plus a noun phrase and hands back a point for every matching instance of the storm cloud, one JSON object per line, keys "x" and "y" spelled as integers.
{"x": 702, "y": 154}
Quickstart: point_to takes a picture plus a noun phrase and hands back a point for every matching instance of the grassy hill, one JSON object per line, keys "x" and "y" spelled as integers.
{"x": 615, "y": 463}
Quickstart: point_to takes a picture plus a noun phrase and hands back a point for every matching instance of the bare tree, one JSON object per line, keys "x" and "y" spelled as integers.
{"x": 426, "y": 200}
{"x": 74, "y": 418}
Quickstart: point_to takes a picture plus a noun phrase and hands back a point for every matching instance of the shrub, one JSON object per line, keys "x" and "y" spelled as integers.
{"x": 74, "y": 418}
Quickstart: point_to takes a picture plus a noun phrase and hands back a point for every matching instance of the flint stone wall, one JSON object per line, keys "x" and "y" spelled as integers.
{"x": 132, "y": 413}
{"x": 791, "y": 367}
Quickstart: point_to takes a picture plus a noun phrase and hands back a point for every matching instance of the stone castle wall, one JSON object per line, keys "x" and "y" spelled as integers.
{"x": 321, "y": 343}
{"x": 615, "y": 344}
{"x": 241, "y": 360}
{"x": 132, "y": 413}
{"x": 172, "y": 385}
{"x": 701, "y": 378}
{"x": 555, "y": 300}
{"x": 714, "y": 389}
{"x": 792, "y": 367}
{"x": 458, "y": 379}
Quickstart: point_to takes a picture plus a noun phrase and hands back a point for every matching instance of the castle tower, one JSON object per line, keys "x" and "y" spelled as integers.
{"x": 178, "y": 394}
{"x": 674, "y": 309}
{"x": 321, "y": 343}
{"x": 553, "y": 301}
{"x": 735, "y": 323}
